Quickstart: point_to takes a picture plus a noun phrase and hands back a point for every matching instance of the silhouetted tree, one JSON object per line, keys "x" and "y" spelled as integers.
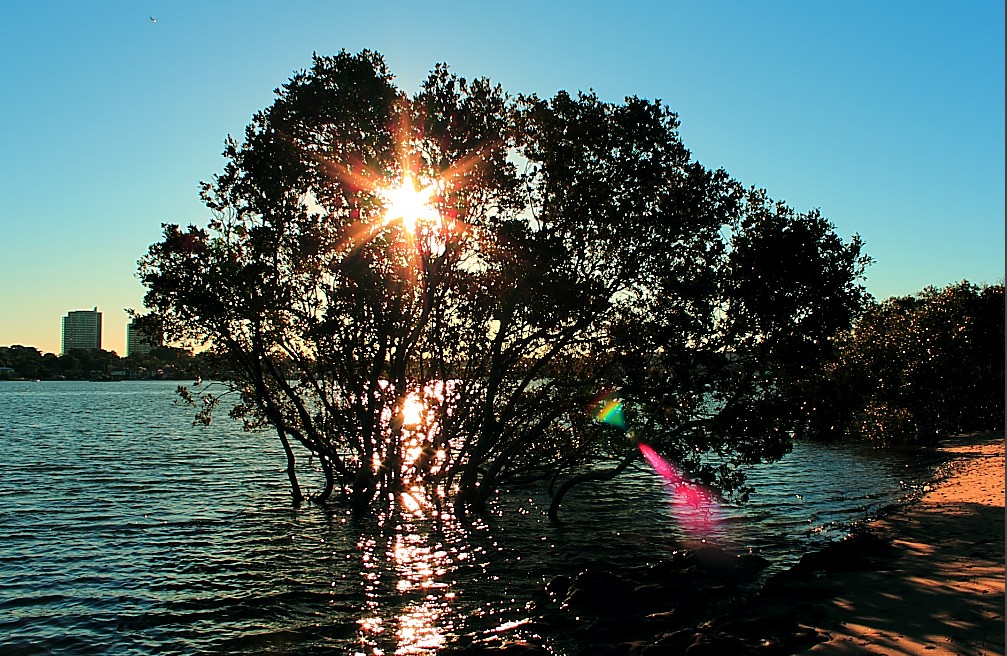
{"x": 917, "y": 368}
{"x": 26, "y": 361}
{"x": 84, "y": 363}
{"x": 566, "y": 247}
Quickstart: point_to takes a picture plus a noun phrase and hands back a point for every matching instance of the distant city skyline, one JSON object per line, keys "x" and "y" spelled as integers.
{"x": 84, "y": 329}
{"x": 888, "y": 117}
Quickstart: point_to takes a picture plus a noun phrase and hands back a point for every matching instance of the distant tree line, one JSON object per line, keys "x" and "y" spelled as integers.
{"x": 915, "y": 369}
{"x": 27, "y": 362}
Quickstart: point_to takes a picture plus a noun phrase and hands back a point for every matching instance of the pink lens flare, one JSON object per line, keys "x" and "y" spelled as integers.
{"x": 694, "y": 506}
{"x": 661, "y": 466}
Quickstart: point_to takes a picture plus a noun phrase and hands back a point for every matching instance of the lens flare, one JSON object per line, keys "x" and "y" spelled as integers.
{"x": 692, "y": 504}
{"x": 607, "y": 409}
{"x": 409, "y": 204}
{"x": 667, "y": 471}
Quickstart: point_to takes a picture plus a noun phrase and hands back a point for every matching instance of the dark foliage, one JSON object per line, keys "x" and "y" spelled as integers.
{"x": 572, "y": 247}
{"x": 917, "y": 368}
{"x": 27, "y": 362}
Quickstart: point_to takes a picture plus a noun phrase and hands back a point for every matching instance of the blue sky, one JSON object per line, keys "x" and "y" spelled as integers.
{"x": 888, "y": 116}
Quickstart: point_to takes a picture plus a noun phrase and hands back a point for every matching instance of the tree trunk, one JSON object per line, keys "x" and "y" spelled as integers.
{"x": 363, "y": 490}
{"x": 330, "y": 480}
{"x": 295, "y": 488}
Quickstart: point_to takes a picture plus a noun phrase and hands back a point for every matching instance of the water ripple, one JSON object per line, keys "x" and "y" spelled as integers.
{"x": 126, "y": 530}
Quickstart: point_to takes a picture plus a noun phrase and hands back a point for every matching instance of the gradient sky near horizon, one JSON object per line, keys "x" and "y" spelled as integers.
{"x": 887, "y": 116}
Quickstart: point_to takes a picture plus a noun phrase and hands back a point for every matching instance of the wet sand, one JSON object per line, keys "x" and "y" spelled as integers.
{"x": 943, "y": 592}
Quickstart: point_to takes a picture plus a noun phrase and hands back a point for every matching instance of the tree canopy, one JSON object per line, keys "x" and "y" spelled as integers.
{"x": 426, "y": 292}
{"x": 917, "y": 368}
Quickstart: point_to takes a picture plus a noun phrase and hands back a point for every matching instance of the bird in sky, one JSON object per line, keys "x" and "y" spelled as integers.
{"x": 153, "y": 20}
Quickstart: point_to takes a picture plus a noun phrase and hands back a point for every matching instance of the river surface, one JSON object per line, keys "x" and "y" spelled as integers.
{"x": 126, "y": 530}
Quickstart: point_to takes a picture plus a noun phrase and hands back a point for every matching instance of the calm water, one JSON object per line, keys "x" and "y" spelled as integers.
{"x": 125, "y": 530}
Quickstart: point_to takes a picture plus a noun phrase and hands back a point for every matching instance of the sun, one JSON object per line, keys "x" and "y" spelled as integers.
{"x": 412, "y": 411}
{"x": 409, "y": 204}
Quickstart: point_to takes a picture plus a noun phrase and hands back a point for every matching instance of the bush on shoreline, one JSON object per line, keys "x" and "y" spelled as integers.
{"x": 916, "y": 369}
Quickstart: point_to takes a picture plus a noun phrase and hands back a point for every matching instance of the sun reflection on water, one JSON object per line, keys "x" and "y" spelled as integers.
{"x": 417, "y": 420}
{"x": 409, "y": 571}
{"x": 415, "y": 570}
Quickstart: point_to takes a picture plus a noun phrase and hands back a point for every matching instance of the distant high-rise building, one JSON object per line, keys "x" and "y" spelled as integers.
{"x": 82, "y": 330}
{"x": 137, "y": 342}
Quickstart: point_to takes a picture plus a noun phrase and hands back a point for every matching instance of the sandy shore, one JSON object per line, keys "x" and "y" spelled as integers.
{"x": 926, "y": 579}
{"x": 943, "y": 592}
